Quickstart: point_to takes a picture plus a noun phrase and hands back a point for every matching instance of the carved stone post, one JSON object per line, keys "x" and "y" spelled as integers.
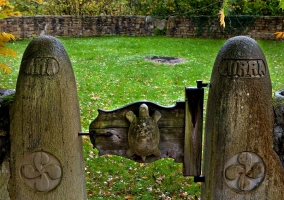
{"x": 239, "y": 161}
{"x": 46, "y": 152}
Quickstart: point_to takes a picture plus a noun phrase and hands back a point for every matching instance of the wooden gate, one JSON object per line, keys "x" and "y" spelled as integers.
{"x": 239, "y": 160}
{"x": 145, "y": 132}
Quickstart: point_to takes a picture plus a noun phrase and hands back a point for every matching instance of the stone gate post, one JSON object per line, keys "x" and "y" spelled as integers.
{"x": 239, "y": 160}
{"x": 46, "y": 158}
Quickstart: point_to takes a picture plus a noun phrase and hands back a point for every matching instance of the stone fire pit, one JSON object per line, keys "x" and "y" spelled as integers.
{"x": 165, "y": 60}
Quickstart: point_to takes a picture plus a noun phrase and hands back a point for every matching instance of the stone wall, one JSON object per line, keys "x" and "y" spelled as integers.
{"x": 257, "y": 27}
{"x": 76, "y": 26}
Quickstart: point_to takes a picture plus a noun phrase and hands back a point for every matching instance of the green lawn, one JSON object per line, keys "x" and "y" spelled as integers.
{"x": 111, "y": 72}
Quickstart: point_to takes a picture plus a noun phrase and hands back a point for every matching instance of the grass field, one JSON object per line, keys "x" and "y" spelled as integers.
{"x": 111, "y": 72}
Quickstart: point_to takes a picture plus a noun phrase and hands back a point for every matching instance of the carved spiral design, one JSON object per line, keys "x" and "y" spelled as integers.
{"x": 244, "y": 171}
{"x": 41, "y": 171}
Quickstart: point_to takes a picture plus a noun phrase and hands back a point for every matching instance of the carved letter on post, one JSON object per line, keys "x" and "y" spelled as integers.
{"x": 46, "y": 153}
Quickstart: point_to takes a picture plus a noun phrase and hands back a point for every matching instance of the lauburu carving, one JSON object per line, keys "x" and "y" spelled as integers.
{"x": 41, "y": 171}
{"x": 244, "y": 171}
{"x": 143, "y": 133}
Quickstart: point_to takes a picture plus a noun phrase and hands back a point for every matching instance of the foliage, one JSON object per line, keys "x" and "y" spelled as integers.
{"x": 183, "y": 8}
{"x": 281, "y": 4}
{"x": 6, "y": 9}
{"x": 5, "y": 51}
{"x": 280, "y": 34}
{"x": 262, "y": 7}
{"x": 162, "y": 9}
{"x": 254, "y": 7}
{"x": 72, "y": 7}
{"x": 30, "y": 7}
{"x": 250, "y": 7}
{"x": 159, "y": 32}
{"x": 205, "y": 7}
{"x": 237, "y": 24}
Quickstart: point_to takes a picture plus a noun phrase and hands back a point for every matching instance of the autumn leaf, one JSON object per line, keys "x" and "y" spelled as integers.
{"x": 6, "y": 37}
{"x": 222, "y": 18}
{"x": 160, "y": 179}
{"x": 2, "y": 44}
{"x": 183, "y": 195}
{"x": 142, "y": 164}
{"x": 129, "y": 197}
{"x": 5, "y": 69}
{"x": 279, "y": 34}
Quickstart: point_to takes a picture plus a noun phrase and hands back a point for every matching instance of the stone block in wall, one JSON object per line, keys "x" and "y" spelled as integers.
{"x": 160, "y": 23}
{"x": 171, "y": 26}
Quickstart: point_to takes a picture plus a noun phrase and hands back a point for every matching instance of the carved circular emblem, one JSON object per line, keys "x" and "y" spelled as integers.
{"x": 244, "y": 171}
{"x": 41, "y": 171}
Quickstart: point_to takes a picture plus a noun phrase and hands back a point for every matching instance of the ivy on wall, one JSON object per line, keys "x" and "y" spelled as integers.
{"x": 201, "y": 22}
{"x": 236, "y": 25}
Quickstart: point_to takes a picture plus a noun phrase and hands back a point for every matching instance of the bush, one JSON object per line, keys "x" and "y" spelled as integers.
{"x": 255, "y": 7}
{"x": 6, "y": 9}
{"x": 162, "y": 9}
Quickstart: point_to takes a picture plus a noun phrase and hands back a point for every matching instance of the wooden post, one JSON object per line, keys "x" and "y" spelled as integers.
{"x": 46, "y": 152}
{"x": 239, "y": 160}
{"x": 193, "y": 131}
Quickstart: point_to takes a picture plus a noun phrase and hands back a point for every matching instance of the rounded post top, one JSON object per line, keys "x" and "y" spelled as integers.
{"x": 241, "y": 47}
{"x": 45, "y": 56}
{"x": 241, "y": 57}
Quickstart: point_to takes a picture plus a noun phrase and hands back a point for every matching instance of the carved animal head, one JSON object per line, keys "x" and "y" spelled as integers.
{"x": 143, "y": 110}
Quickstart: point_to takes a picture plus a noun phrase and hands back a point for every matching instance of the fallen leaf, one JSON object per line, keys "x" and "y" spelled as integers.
{"x": 183, "y": 194}
{"x": 129, "y": 197}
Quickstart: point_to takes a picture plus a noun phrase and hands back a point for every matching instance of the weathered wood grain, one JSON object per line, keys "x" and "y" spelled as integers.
{"x": 193, "y": 131}
{"x": 111, "y": 129}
